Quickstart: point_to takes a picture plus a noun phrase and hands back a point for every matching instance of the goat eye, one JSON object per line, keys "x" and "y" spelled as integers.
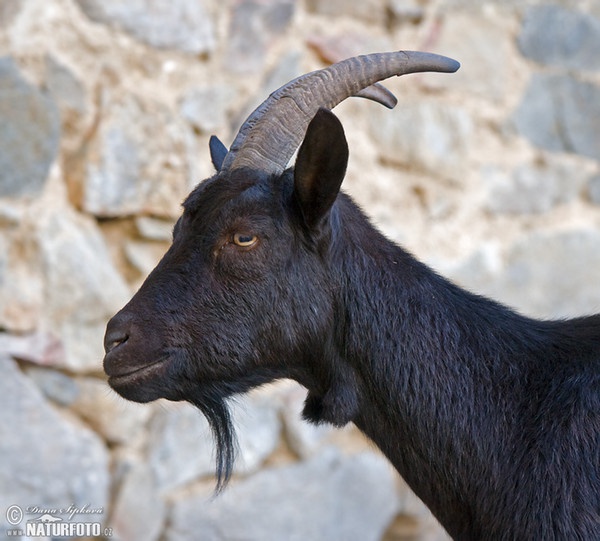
{"x": 244, "y": 240}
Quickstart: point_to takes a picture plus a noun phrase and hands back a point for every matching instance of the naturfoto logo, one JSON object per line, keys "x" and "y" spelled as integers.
{"x": 55, "y": 522}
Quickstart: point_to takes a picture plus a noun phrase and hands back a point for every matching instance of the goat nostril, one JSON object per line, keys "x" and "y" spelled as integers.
{"x": 114, "y": 339}
{"x": 118, "y": 330}
{"x": 114, "y": 344}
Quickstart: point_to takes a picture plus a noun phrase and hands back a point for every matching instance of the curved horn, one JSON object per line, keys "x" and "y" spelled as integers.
{"x": 271, "y": 134}
{"x": 378, "y": 93}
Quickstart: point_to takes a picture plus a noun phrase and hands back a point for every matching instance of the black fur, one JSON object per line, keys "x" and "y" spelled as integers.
{"x": 491, "y": 417}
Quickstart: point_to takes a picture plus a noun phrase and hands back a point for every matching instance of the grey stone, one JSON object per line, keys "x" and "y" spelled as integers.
{"x": 9, "y": 10}
{"x": 556, "y": 274}
{"x": 143, "y": 255}
{"x": 539, "y": 115}
{"x": 140, "y": 161}
{"x": 258, "y": 427}
{"x": 66, "y": 89}
{"x": 29, "y": 133}
{"x": 429, "y": 136}
{"x": 560, "y": 113}
{"x": 206, "y": 108}
{"x": 165, "y": 24}
{"x": 328, "y": 497}
{"x": 21, "y": 282}
{"x": 581, "y": 110}
{"x": 254, "y": 25}
{"x": 38, "y": 347}
{"x": 533, "y": 188}
{"x": 285, "y": 70}
{"x": 546, "y": 275}
{"x": 333, "y": 47}
{"x": 374, "y": 11}
{"x": 594, "y": 189}
{"x": 139, "y": 512}
{"x": 82, "y": 287}
{"x": 46, "y": 460}
{"x": 11, "y": 215}
{"x": 117, "y": 420}
{"x": 555, "y": 36}
{"x": 406, "y": 11}
{"x": 181, "y": 449}
{"x": 56, "y": 386}
{"x": 483, "y": 45}
{"x": 154, "y": 229}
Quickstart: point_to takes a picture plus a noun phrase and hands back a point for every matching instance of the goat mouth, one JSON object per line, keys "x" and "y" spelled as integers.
{"x": 140, "y": 384}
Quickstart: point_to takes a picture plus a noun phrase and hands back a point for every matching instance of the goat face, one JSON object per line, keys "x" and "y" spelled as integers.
{"x": 243, "y": 287}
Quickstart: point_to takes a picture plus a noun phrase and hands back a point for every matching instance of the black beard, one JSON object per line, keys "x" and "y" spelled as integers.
{"x": 212, "y": 404}
{"x": 211, "y": 399}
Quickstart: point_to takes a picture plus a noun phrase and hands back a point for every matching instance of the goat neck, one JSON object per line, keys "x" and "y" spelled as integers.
{"x": 480, "y": 410}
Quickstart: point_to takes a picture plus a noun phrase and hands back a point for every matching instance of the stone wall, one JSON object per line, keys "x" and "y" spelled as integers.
{"x": 490, "y": 175}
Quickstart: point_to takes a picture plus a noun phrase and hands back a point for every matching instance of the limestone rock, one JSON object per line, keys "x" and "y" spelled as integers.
{"x": 547, "y": 275}
{"x": 144, "y": 255}
{"x": 165, "y": 24}
{"x": 285, "y": 70}
{"x": 581, "y": 109}
{"x": 254, "y": 25}
{"x": 139, "y": 161}
{"x": 258, "y": 427}
{"x": 40, "y": 348}
{"x": 555, "y": 274}
{"x": 335, "y": 47}
{"x": 559, "y": 113}
{"x": 29, "y": 133}
{"x": 47, "y": 460}
{"x": 373, "y": 11}
{"x": 9, "y": 11}
{"x": 539, "y": 115}
{"x": 556, "y": 36}
{"x": 206, "y": 107}
{"x": 55, "y": 386}
{"x": 328, "y": 497}
{"x": 483, "y": 47}
{"x": 139, "y": 511}
{"x": 68, "y": 92}
{"x": 406, "y": 11}
{"x": 117, "y": 420}
{"x": 181, "y": 447}
{"x": 11, "y": 215}
{"x": 534, "y": 188}
{"x": 82, "y": 287}
{"x": 425, "y": 135}
{"x": 594, "y": 189}
{"x": 21, "y": 280}
{"x": 154, "y": 229}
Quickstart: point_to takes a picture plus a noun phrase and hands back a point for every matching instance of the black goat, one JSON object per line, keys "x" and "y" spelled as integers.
{"x": 491, "y": 417}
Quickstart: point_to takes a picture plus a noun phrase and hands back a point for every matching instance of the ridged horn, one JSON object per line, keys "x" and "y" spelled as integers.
{"x": 272, "y": 133}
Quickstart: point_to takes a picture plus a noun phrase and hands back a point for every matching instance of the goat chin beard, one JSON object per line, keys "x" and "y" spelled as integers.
{"x": 214, "y": 407}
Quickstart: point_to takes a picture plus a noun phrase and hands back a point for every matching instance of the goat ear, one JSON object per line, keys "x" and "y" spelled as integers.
{"x": 218, "y": 151}
{"x": 320, "y": 166}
